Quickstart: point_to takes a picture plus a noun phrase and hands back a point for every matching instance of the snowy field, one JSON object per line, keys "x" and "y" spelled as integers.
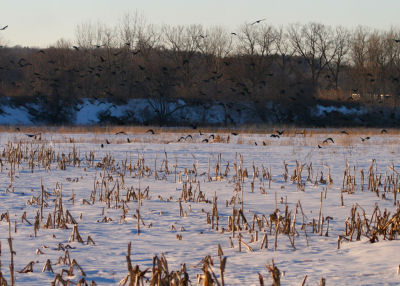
{"x": 285, "y": 199}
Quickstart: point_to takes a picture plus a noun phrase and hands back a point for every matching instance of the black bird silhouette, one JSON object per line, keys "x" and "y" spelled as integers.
{"x": 108, "y": 142}
{"x": 182, "y": 138}
{"x": 258, "y": 21}
{"x": 280, "y": 132}
{"x": 255, "y": 143}
{"x": 200, "y": 133}
{"x": 76, "y": 48}
{"x": 233, "y": 33}
{"x": 189, "y": 136}
{"x": 120, "y": 132}
{"x": 264, "y": 144}
{"x": 127, "y": 139}
{"x": 5, "y": 27}
{"x": 30, "y": 135}
{"x": 328, "y": 139}
{"x": 366, "y": 138}
{"x": 396, "y": 40}
{"x": 344, "y": 132}
{"x": 383, "y": 131}
{"x": 211, "y": 136}
{"x": 102, "y": 145}
{"x": 205, "y": 140}
{"x": 275, "y": 136}
{"x": 150, "y": 131}
{"x": 234, "y": 133}
{"x": 319, "y": 146}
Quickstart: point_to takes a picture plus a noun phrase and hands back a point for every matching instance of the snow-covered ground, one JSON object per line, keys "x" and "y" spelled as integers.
{"x": 129, "y": 166}
{"x": 140, "y": 110}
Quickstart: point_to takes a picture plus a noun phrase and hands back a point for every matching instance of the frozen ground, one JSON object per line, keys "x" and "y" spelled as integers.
{"x": 355, "y": 263}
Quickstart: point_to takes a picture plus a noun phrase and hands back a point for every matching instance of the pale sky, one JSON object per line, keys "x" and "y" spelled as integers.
{"x": 43, "y": 22}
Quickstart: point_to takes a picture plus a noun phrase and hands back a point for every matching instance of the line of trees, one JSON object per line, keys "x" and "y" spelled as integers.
{"x": 291, "y": 68}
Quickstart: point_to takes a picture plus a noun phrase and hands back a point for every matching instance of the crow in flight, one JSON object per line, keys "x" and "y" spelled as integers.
{"x": 5, "y": 27}
{"x": 150, "y": 131}
{"x": 258, "y": 21}
{"x": 328, "y": 139}
{"x": 366, "y": 138}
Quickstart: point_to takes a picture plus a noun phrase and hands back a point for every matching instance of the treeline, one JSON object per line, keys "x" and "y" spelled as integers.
{"x": 290, "y": 69}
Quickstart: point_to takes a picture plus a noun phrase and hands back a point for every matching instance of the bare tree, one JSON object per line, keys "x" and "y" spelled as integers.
{"x": 340, "y": 48}
{"x": 312, "y": 42}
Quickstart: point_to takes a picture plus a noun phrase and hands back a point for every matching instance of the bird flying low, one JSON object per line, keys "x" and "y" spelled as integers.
{"x": 5, "y": 27}
{"x": 328, "y": 139}
{"x": 150, "y": 131}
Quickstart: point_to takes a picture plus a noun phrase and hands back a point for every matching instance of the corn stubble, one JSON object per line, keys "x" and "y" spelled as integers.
{"x": 245, "y": 233}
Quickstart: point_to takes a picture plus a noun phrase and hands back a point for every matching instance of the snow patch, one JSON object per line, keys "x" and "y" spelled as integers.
{"x": 321, "y": 110}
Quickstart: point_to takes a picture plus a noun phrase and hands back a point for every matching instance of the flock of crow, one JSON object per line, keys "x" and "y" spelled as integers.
{"x": 211, "y": 137}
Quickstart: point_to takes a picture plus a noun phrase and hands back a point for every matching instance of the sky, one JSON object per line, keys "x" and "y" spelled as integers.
{"x": 40, "y": 23}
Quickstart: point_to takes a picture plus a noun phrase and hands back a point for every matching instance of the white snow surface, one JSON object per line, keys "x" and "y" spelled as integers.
{"x": 322, "y": 110}
{"x": 140, "y": 111}
{"x": 355, "y": 263}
